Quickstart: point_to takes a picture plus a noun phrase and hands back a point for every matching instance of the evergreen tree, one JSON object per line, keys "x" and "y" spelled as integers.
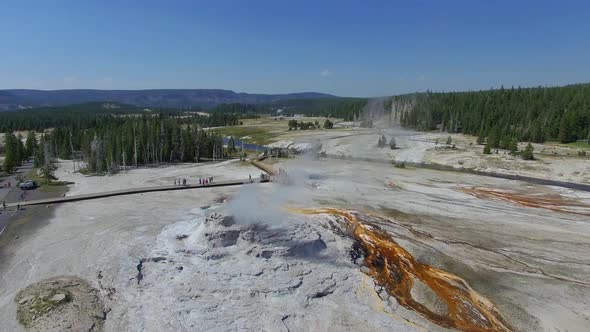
{"x": 527, "y": 153}
{"x": 513, "y": 146}
{"x": 31, "y": 144}
{"x": 40, "y": 153}
{"x": 564, "y": 130}
{"x": 10, "y": 152}
{"x": 537, "y": 134}
{"x": 231, "y": 146}
{"x": 293, "y": 124}
{"x": 487, "y": 149}
{"x": 505, "y": 142}
{"x": 20, "y": 149}
{"x": 480, "y": 138}
{"x": 48, "y": 167}
{"x": 495, "y": 138}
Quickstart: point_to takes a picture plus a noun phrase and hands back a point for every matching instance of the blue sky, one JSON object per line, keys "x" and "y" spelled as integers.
{"x": 348, "y": 48}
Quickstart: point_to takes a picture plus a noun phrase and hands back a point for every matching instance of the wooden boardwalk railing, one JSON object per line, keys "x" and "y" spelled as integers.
{"x": 133, "y": 191}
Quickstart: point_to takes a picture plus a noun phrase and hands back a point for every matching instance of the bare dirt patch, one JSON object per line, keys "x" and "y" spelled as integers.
{"x": 59, "y": 304}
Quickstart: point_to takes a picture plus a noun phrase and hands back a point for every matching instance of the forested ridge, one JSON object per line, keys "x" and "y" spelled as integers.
{"x": 162, "y": 98}
{"x": 336, "y": 107}
{"x": 524, "y": 114}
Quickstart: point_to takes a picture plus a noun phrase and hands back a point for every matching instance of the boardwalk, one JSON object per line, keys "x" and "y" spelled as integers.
{"x": 132, "y": 191}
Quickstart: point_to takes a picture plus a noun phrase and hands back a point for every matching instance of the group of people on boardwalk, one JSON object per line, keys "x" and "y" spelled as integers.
{"x": 202, "y": 181}
{"x": 178, "y": 182}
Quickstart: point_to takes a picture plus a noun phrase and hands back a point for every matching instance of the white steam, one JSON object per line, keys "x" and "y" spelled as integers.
{"x": 267, "y": 203}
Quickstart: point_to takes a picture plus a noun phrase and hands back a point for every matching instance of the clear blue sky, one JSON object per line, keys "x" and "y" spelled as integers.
{"x": 349, "y": 48}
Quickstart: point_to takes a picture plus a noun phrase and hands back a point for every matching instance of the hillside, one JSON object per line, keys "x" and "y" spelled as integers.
{"x": 174, "y": 98}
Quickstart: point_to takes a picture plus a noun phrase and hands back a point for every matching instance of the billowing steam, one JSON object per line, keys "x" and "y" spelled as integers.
{"x": 266, "y": 204}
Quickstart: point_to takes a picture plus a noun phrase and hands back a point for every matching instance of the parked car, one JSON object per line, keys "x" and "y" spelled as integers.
{"x": 28, "y": 185}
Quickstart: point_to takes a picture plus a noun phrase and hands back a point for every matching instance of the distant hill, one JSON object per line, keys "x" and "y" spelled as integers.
{"x": 89, "y": 107}
{"x": 171, "y": 98}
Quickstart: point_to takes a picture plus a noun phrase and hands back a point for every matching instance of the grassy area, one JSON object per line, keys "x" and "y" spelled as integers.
{"x": 579, "y": 145}
{"x": 257, "y": 135}
{"x": 264, "y": 130}
{"x": 267, "y": 120}
{"x": 573, "y": 145}
{"x": 51, "y": 187}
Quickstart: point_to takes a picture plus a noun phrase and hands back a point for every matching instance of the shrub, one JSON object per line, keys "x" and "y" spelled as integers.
{"x": 527, "y": 153}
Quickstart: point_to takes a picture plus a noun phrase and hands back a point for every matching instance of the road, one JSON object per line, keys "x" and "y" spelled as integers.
{"x": 13, "y": 180}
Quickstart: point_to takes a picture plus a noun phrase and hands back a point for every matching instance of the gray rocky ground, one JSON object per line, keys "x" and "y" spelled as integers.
{"x": 171, "y": 261}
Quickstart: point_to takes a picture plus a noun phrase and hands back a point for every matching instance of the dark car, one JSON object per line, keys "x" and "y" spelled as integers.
{"x": 28, "y": 185}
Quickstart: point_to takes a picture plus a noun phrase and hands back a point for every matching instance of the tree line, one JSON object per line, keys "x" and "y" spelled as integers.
{"x": 294, "y": 125}
{"x": 136, "y": 142}
{"x": 118, "y": 142}
{"x": 15, "y": 152}
{"x": 503, "y": 115}
{"x": 245, "y": 111}
{"x": 89, "y": 115}
{"x": 348, "y": 109}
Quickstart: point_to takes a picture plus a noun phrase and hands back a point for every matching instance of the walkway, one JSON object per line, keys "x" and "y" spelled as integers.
{"x": 133, "y": 191}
